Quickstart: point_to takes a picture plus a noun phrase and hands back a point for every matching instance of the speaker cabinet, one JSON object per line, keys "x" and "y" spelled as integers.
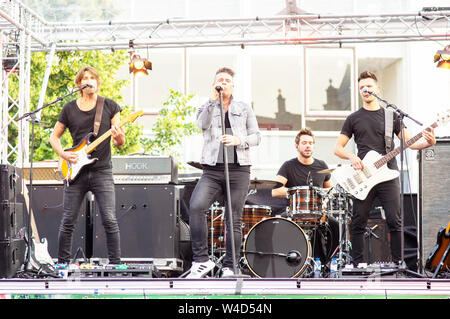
{"x": 377, "y": 242}
{"x": 12, "y": 223}
{"x": 11, "y": 210}
{"x": 47, "y": 205}
{"x": 10, "y": 182}
{"x": 147, "y": 216}
{"x": 434, "y": 196}
{"x": 12, "y": 257}
{"x": 148, "y": 222}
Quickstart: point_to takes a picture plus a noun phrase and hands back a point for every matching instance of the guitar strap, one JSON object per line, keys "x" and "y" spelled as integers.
{"x": 388, "y": 127}
{"x": 98, "y": 114}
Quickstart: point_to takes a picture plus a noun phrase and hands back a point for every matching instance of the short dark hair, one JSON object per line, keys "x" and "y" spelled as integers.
{"x": 367, "y": 75}
{"x": 304, "y": 131}
{"x": 225, "y": 70}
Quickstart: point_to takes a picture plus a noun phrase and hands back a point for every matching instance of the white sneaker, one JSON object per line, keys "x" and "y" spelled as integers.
{"x": 200, "y": 269}
{"x": 227, "y": 272}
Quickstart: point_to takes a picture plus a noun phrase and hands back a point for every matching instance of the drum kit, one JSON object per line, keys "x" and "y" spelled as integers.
{"x": 314, "y": 225}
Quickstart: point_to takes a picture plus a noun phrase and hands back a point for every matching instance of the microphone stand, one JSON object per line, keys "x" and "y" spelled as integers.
{"x": 227, "y": 183}
{"x": 402, "y": 115}
{"x": 34, "y": 120}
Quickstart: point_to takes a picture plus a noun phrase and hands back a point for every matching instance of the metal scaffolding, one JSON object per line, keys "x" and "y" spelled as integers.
{"x": 24, "y": 30}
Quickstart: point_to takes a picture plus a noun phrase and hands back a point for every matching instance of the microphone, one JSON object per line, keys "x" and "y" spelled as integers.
{"x": 309, "y": 179}
{"x": 87, "y": 85}
{"x": 366, "y": 90}
{"x": 218, "y": 88}
{"x": 294, "y": 257}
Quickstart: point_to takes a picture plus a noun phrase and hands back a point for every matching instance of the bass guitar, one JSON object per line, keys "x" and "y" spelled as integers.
{"x": 69, "y": 171}
{"x": 359, "y": 182}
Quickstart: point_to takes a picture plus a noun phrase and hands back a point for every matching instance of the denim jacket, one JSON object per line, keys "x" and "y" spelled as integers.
{"x": 243, "y": 124}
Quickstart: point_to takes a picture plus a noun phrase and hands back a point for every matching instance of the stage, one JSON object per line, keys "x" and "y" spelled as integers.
{"x": 395, "y": 286}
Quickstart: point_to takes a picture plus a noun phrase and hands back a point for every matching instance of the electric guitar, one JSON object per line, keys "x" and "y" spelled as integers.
{"x": 359, "y": 182}
{"x": 69, "y": 171}
{"x": 439, "y": 256}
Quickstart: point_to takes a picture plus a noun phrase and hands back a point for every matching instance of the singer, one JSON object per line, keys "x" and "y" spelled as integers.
{"x": 242, "y": 132}
{"x": 90, "y": 112}
{"x": 367, "y": 126}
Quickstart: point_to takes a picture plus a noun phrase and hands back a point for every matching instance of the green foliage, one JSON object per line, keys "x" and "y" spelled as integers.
{"x": 171, "y": 126}
{"x": 61, "y": 82}
{"x": 167, "y": 134}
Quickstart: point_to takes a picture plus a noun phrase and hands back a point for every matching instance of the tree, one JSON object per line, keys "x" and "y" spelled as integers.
{"x": 61, "y": 82}
{"x": 170, "y": 128}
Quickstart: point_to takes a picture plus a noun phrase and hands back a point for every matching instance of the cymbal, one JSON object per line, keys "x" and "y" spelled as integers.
{"x": 196, "y": 165}
{"x": 264, "y": 184}
{"x": 326, "y": 171}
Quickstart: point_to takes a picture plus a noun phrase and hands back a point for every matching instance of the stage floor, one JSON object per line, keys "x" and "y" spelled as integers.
{"x": 235, "y": 288}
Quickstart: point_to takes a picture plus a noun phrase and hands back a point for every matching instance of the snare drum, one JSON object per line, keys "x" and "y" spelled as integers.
{"x": 305, "y": 203}
{"x": 339, "y": 204}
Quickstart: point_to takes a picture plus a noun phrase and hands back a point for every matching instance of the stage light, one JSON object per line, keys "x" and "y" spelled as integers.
{"x": 443, "y": 58}
{"x": 139, "y": 66}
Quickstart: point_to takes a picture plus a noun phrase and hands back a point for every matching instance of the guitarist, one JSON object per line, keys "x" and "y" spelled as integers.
{"x": 78, "y": 116}
{"x": 367, "y": 127}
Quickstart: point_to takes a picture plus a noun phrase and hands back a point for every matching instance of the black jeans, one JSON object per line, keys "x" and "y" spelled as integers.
{"x": 210, "y": 186}
{"x": 101, "y": 184}
{"x": 389, "y": 195}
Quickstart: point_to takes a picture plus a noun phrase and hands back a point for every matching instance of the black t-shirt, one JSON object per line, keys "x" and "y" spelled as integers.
{"x": 81, "y": 123}
{"x": 233, "y": 163}
{"x": 368, "y": 129}
{"x": 296, "y": 173}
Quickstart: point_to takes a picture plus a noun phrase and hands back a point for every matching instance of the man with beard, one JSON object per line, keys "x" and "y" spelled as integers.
{"x": 303, "y": 170}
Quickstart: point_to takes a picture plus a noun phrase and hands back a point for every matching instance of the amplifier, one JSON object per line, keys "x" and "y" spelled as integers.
{"x": 434, "y": 196}
{"x": 129, "y": 169}
{"x": 143, "y": 169}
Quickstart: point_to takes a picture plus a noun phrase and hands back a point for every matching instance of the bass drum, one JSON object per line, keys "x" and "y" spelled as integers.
{"x": 277, "y": 248}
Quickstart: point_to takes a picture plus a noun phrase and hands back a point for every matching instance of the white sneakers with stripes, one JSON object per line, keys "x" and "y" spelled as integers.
{"x": 200, "y": 269}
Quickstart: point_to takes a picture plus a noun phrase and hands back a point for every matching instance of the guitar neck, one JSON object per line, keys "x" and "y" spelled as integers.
{"x": 386, "y": 158}
{"x": 91, "y": 147}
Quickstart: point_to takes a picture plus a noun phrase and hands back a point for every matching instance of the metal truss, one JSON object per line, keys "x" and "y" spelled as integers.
{"x": 279, "y": 30}
{"x": 306, "y": 29}
{"x": 24, "y": 30}
{"x": 15, "y": 71}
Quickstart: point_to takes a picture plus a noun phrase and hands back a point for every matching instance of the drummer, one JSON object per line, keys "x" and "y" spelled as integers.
{"x": 303, "y": 169}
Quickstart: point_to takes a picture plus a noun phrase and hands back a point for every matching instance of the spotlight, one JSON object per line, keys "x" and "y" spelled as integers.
{"x": 139, "y": 66}
{"x": 443, "y": 58}
{"x": 11, "y": 59}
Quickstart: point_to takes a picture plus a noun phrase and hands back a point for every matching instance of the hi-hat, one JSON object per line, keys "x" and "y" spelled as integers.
{"x": 264, "y": 184}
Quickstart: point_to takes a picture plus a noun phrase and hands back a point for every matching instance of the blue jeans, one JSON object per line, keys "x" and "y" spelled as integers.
{"x": 100, "y": 182}
{"x": 209, "y": 187}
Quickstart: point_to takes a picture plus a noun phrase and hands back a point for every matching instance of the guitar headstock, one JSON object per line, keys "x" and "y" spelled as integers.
{"x": 444, "y": 118}
{"x": 132, "y": 117}
{"x": 135, "y": 115}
